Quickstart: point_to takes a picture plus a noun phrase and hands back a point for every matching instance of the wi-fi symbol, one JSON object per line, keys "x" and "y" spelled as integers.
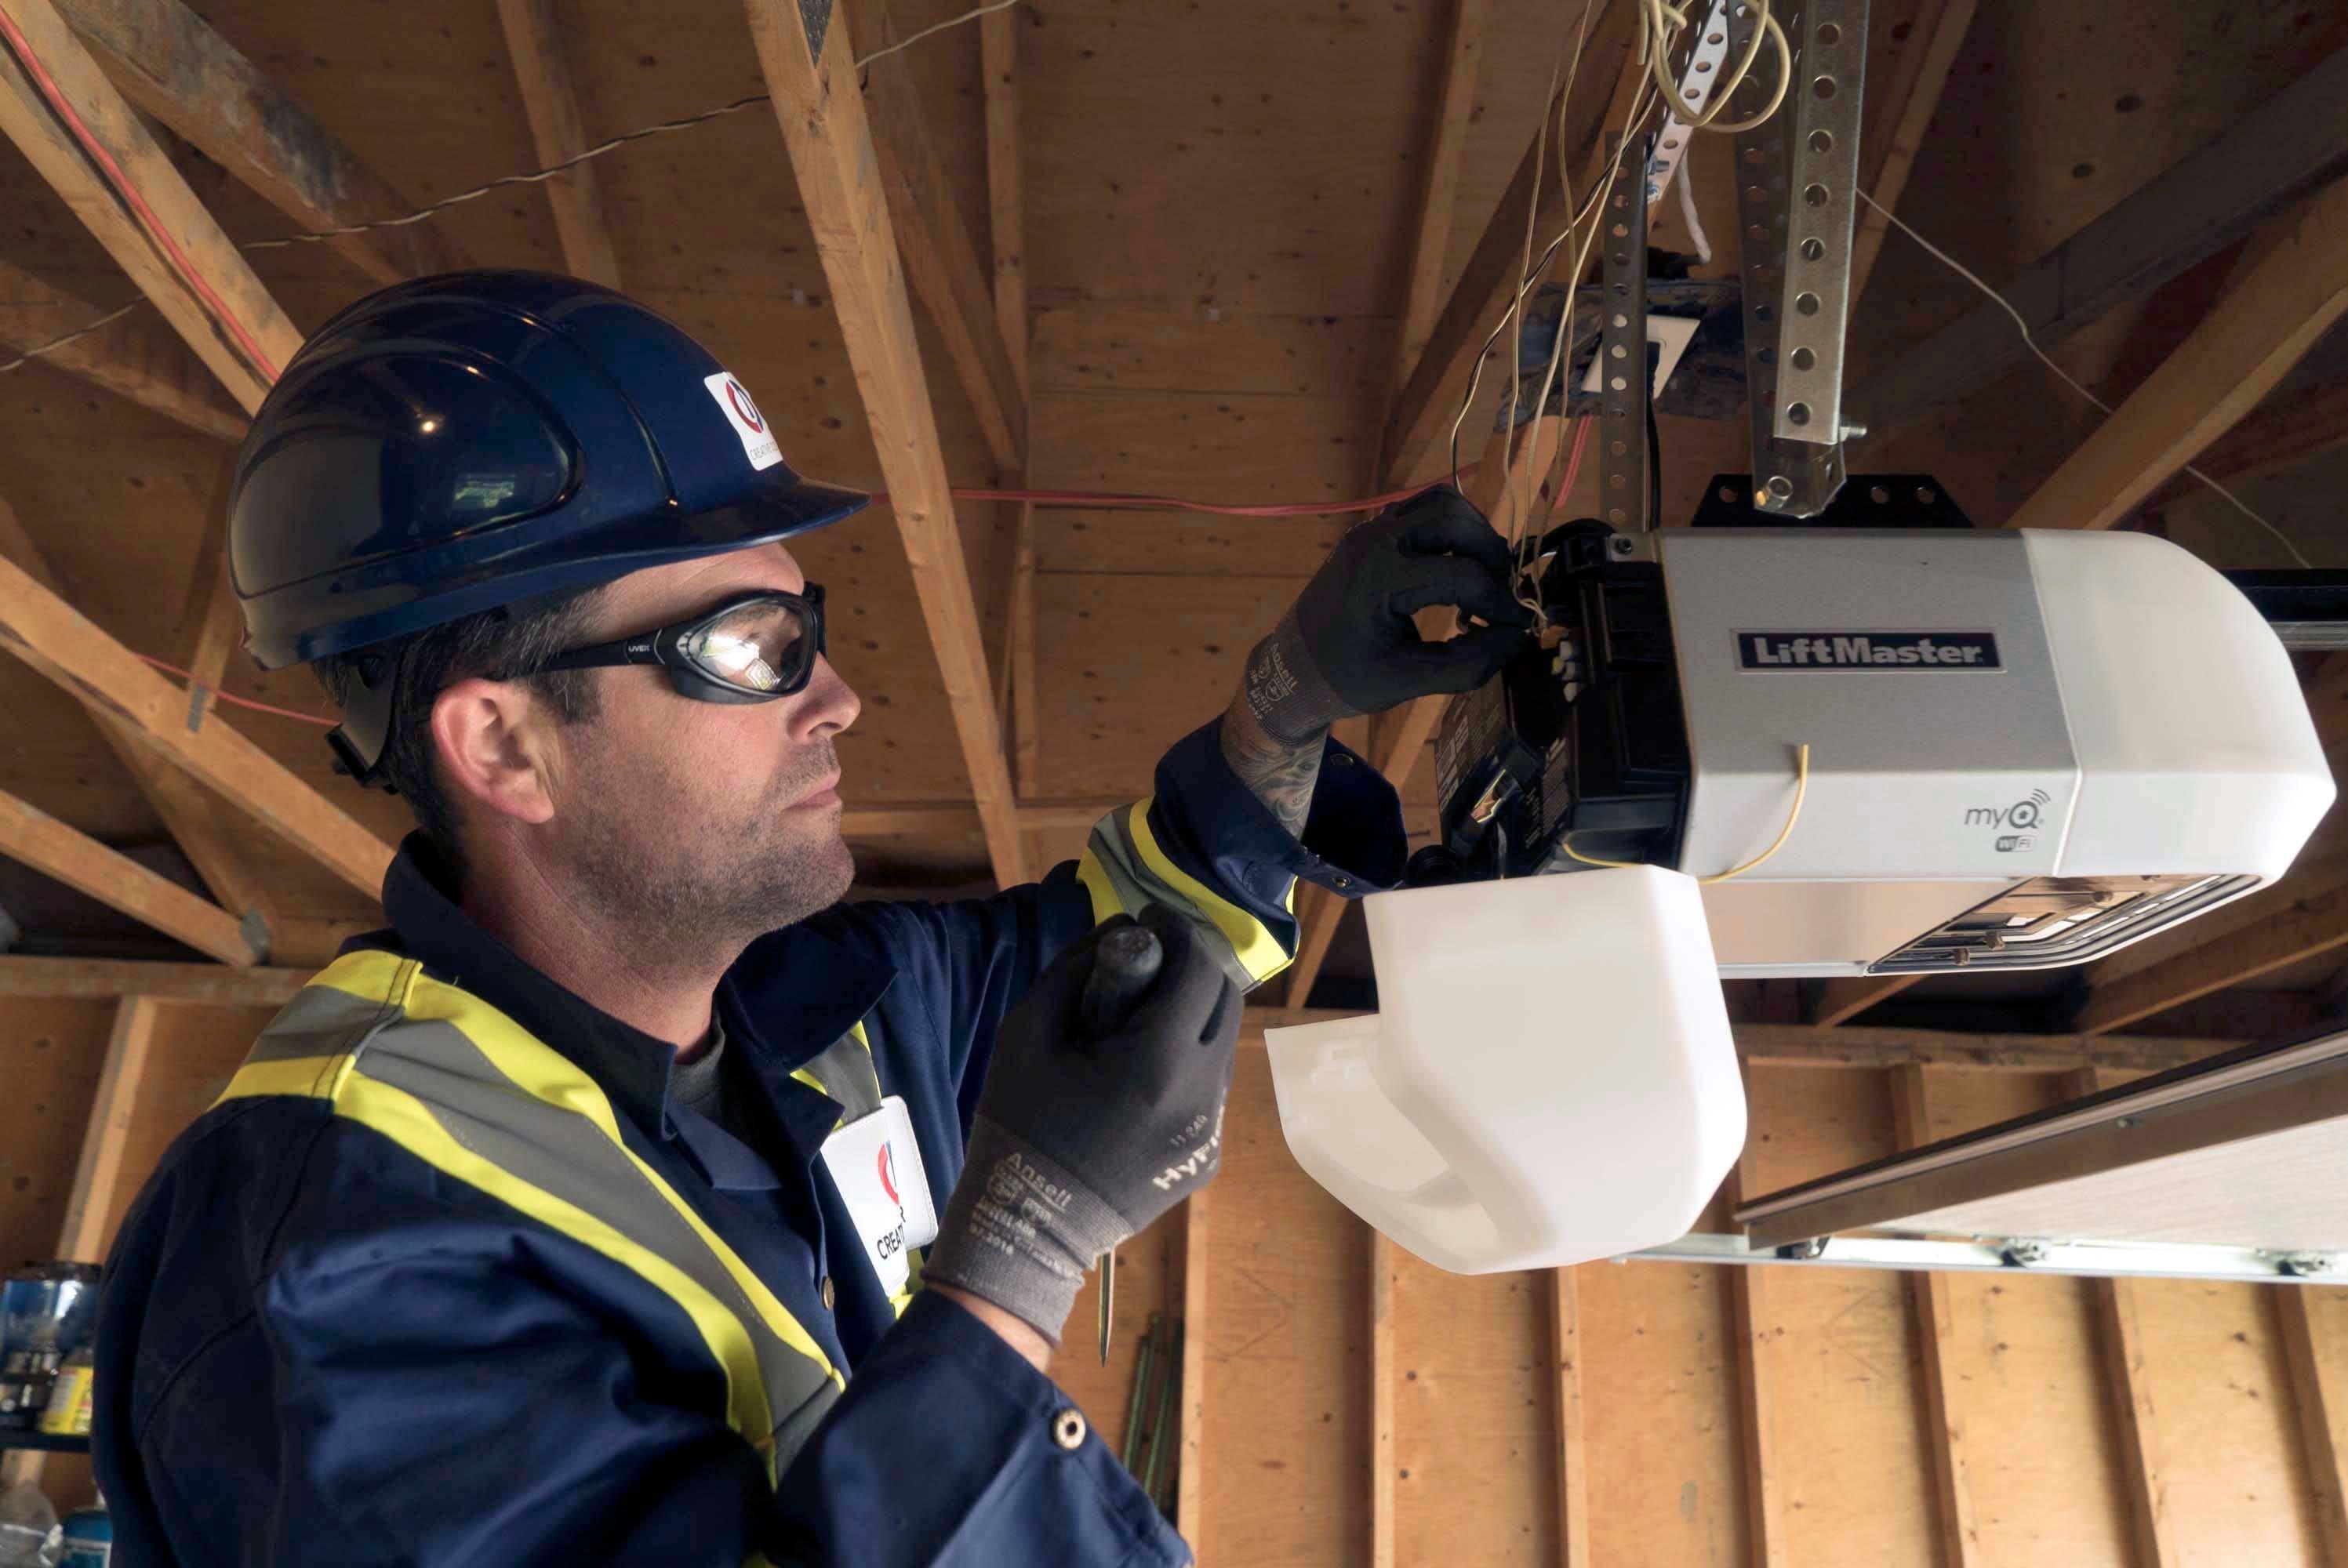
{"x": 2041, "y": 796}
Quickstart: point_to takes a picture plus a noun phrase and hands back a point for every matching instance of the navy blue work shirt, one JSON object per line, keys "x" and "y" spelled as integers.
{"x": 316, "y": 1349}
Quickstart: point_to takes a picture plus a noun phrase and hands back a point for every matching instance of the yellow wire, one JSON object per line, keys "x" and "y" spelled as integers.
{"x": 1801, "y": 789}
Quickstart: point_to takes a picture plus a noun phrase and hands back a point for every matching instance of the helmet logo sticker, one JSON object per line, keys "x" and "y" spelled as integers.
{"x": 734, "y": 402}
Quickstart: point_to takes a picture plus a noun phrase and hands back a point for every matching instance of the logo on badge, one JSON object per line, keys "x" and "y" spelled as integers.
{"x": 740, "y": 399}
{"x": 742, "y": 416}
{"x": 888, "y": 1163}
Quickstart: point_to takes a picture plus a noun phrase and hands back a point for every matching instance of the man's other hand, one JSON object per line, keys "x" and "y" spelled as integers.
{"x": 1093, "y": 1121}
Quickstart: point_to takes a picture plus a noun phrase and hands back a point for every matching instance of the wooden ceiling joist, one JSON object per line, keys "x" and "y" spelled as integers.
{"x": 551, "y": 101}
{"x": 1948, "y": 1443}
{"x": 62, "y": 643}
{"x": 1488, "y": 279}
{"x": 1438, "y": 184}
{"x": 176, "y": 254}
{"x": 130, "y": 358}
{"x": 188, "y": 815}
{"x": 1897, "y": 117}
{"x": 2206, "y": 200}
{"x": 39, "y": 840}
{"x": 1800, "y": 1045}
{"x": 2295, "y": 424}
{"x": 823, "y": 123}
{"x": 85, "y": 980}
{"x": 171, "y": 63}
{"x": 2282, "y": 306}
{"x": 935, "y": 248}
{"x": 1840, "y": 1000}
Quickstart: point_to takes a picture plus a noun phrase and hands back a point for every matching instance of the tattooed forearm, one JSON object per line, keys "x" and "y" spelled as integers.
{"x": 1280, "y": 775}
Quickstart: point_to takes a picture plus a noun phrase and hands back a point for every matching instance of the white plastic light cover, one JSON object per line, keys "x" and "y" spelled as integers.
{"x": 1551, "y": 1081}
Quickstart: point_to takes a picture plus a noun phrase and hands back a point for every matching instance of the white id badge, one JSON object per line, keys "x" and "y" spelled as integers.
{"x": 877, "y": 1167}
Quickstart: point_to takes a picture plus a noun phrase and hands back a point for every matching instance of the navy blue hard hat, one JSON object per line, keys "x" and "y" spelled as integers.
{"x": 479, "y": 438}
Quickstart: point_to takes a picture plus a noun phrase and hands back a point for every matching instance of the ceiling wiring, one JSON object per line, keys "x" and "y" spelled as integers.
{"x": 2065, "y": 376}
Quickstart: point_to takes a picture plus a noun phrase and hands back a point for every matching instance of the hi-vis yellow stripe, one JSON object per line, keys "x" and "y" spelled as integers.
{"x": 540, "y": 1070}
{"x": 1095, "y": 877}
{"x": 537, "y": 1069}
{"x": 410, "y": 1123}
{"x": 1260, "y": 952}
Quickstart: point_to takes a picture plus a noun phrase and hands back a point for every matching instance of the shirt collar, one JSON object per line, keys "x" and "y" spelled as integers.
{"x": 791, "y": 994}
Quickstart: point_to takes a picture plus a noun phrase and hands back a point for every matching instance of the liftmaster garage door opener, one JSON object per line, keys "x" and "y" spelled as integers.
{"x": 2025, "y": 750}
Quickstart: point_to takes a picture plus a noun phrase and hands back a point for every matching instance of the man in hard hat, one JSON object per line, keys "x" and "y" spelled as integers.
{"x": 548, "y": 1224}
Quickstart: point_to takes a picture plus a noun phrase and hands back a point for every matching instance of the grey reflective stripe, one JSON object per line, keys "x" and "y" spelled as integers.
{"x": 320, "y": 1021}
{"x": 562, "y": 1153}
{"x": 1137, "y": 887}
{"x": 801, "y": 1423}
{"x": 845, "y": 1070}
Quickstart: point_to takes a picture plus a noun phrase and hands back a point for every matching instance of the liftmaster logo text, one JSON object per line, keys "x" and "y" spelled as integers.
{"x": 1868, "y": 651}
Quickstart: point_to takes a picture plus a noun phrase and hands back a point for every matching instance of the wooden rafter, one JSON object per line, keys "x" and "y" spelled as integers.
{"x": 1798, "y": 1045}
{"x": 1572, "y": 1441}
{"x": 1487, "y": 280}
{"x": 188, "y": 814}
{"x": 2319, "y": 1386}
{"x": 549, "y": 98}
{"x": 1190, "y": 1473}
{"x": 934, "y": 246}
{"x": 1006, "y": 206}
{"x": 1948, "y": 1441}
{"x": 73, "y": 857}
{"x": 1384, "y": 1264}
{"x": 1898, "y": 117}
{"x": 213, "y": 985}
{"x": 2249, "y": 342}
{"x": 1750, "y": 1321}
{"x": 2293, "y": 425}
{"x": 2120, "y": 1341}
{"x": 128, "y": 358}
{"x": 823, "y": 123}
{"x": 62, "y": 643}
{"x": 1843, "y": 1000}
{"x": 2291, "y": 143}
{"x": 171, "y": 63}
{"x": 268, "y": 339}
{"x": 1438, "y": 187}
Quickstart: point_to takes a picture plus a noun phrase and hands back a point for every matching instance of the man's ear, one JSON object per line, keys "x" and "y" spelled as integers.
{"x": 491, "y": 737}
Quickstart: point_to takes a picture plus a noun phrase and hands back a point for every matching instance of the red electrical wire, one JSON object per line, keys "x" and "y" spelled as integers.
{"x": 242, "y": 701}
{"x": 127, "y": 194}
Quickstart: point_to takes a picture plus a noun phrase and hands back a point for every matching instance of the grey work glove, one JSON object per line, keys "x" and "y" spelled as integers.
{"x": 1349, "y": 646}
{"x": 1099, "y": 1114}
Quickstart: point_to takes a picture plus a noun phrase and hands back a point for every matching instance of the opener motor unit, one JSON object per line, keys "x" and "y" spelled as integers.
{"x": 2026, "y": 748}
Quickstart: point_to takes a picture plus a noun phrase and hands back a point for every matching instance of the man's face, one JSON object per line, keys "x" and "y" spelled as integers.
{"x": 713, "y": 822}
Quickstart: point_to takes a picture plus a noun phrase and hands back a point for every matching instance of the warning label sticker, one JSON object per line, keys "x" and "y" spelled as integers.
{"x": 734, "y": 402}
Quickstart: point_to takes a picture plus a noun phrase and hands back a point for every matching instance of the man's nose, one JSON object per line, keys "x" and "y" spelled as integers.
{"x": 827, "y": 707}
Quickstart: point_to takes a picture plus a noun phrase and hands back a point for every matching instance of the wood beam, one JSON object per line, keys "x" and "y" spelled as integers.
{"x": 822, "y": 119}
{"x": 2293, "y": 425}
{"x": 28, "y": 118}
{"x": 1798, "y": 1045}
{"x": 62, "y": 643}
{"x": 2298, "y": 917}
{"x": 170, "y": 62}
{"x": 1384, "y": 1269}
{"x": 2319, "y": 1385}
{"x": 82, "y": 980}
{"x": 933, "y": 247}
{"x": 1947, "y": 1443}
{"x": 1898, "y": 118}
{"x": 1430, "y": 400}
{"x": 2291, "y": 143}
{"x": 1750, "y": 1323}
{"x": 1006, "y": 184}
{"x": 2119, "y": 1339}
{"x": 1572, "y": 1445}
{"x": 128, "y": 358}
{"x": 1840, "y": 1000}
{"x": 188, "y": 814}
{"x": 32, "y": 835}
{"x": 2248, "y": 344}
{"x": 551, "y": 101}
{"x": 1438, "y": 189}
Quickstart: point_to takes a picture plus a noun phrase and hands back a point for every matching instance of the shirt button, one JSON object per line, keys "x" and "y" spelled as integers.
{"x": 1068, "y": 1429}
{"x": 1344, "y": 882}
{"x": 827, "y": 1293}
{"x": 1342, "y": 760}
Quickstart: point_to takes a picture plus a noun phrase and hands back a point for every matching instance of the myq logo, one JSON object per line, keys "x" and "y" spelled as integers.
{"x": 2024, "y": 816}
{"x": 1868, "y": 651}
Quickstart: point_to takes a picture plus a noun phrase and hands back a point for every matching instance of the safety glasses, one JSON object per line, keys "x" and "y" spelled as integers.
{"x": 749, "y": 649}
